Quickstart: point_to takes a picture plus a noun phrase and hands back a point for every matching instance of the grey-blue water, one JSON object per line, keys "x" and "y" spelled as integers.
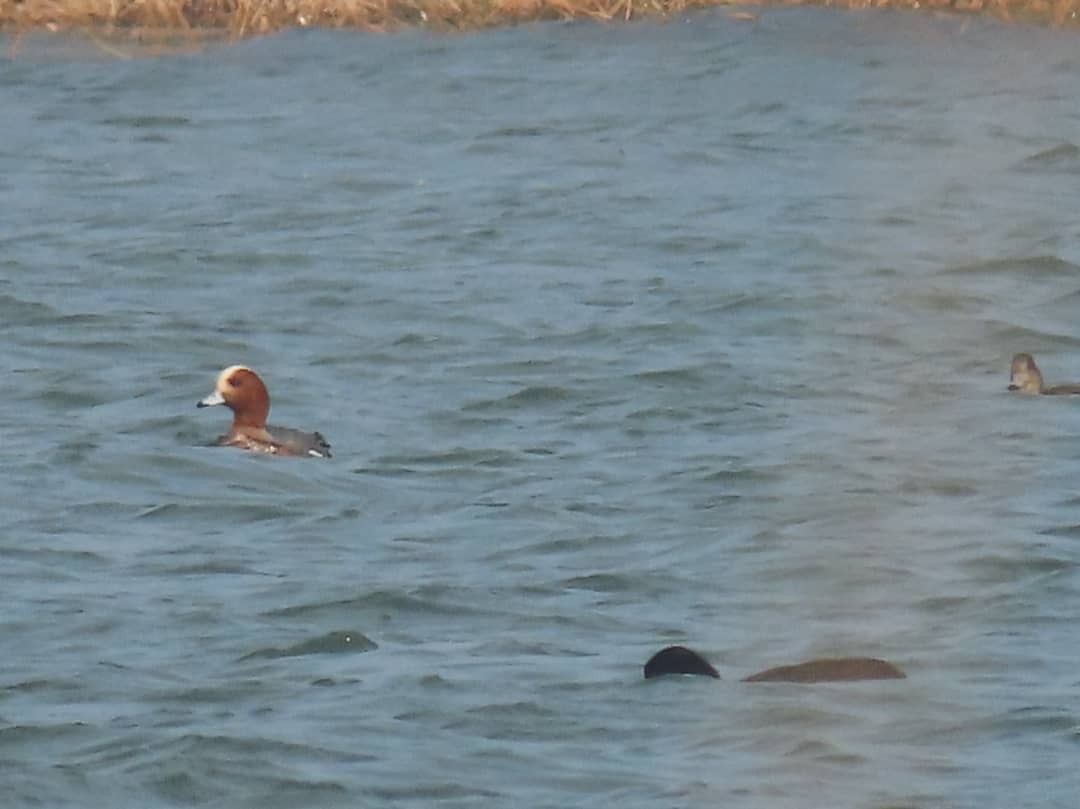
{"x": 689, "y": 332}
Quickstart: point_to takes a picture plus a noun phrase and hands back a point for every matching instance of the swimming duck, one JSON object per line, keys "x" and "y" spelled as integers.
{"x": 680, "y": 660}
{"x": 242, "y": 391}
{"x": 1026, "y": 377}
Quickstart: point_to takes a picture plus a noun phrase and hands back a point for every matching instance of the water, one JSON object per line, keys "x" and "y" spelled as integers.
{"x": 623, "y": 336}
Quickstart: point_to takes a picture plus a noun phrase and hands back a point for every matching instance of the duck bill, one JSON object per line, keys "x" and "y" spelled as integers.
{"x": 214, "y": 398}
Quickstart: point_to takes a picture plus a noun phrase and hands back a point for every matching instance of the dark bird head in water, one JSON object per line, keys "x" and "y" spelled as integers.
{"x": 678, "y": 660}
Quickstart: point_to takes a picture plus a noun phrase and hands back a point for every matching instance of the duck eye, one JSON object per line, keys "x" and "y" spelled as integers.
{"x": 236, "y": 381}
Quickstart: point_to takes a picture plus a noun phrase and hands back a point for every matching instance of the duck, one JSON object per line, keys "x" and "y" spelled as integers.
{"x": 242, "y": 390}
{"x": 681, "y": 660}
{"x": 1025, "y": 377}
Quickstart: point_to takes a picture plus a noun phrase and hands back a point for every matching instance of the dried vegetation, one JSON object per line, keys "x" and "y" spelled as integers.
{"x": 197, "y": 19}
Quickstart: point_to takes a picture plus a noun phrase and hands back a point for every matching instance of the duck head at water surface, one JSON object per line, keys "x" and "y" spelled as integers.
{"x": 241, "y": 390}
{"x": 680, "y": 660}
{"x": 1025, "y": 377}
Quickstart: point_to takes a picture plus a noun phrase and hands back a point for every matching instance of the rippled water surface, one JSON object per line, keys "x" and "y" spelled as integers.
{"x": 690, "y": 332}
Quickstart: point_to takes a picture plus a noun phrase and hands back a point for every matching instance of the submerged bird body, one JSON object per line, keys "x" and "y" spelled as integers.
{"x": 830, "y": 670}
{"x": 242, "y": 391}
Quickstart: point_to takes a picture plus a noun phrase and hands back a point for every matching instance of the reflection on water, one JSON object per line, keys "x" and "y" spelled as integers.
{"x": 694, "y": 332}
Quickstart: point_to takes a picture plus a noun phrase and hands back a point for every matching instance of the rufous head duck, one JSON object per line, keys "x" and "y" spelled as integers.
{"x": 681, "y": 660}
{"x": 241, "y": 390}
{"x": 1025, "y": 377}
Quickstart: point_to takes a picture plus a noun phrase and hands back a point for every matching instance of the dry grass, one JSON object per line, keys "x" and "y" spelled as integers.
{"x": 240, "y": 18}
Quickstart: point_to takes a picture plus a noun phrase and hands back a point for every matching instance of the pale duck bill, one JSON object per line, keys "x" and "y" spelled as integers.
{"x": 214, "y": 398}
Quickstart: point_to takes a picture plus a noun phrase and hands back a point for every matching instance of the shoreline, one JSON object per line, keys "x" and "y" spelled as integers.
{"x": 195, "y": 22}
